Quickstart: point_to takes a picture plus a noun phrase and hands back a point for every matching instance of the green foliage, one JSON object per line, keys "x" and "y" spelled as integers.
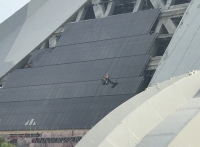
{"x": 5, "y": 144}
{"x": 1, "y": 140}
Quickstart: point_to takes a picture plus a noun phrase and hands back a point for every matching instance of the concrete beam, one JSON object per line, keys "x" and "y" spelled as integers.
{"x": 181, "y": 6}
{"x": 98, "y": 7}
{"x": 174, "y": 11}
{"x": 165, "y": 36}
{"x": 52, "y": 41}
{"x": 153, "y": 63}
{"x": 110, "y": 9}
{"x": 167, "y": 14}
{"x": 159, "y": 27}
{"x": 81, "y": 14}
{"x": 169, "y": 25}
{"x": 157, "y": 3}
{"x": 139, "y": 5}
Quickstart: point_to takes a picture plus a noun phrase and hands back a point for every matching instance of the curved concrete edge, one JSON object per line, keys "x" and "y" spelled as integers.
{"x": 164, "y": 133}
{"x": 189, "y": 136}
{"x": 122, "y": 119}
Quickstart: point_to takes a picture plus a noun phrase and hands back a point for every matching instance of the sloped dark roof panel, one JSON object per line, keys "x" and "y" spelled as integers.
{"x": 109, "y": 28}
{"x": 63, "y": 88}
{"x": 99, "y": 50}
{"x": 58, "y": 114}
{"x": 78, "y": 72}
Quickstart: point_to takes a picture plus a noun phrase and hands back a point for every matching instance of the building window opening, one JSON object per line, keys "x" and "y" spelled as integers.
{"x": 90, "y": 13}
{"x": 147, "y": 5}
{"x": 176, "y": 20}
{"x": 105, "y": 3}
{"x": 149, "y": 73}
{"x": 162, "y": 46}
{"x": 165, "y": 1}
{"x": 163, "y": 30}
{"x": 178, "y": 2}
{"x": 124, "y": 6}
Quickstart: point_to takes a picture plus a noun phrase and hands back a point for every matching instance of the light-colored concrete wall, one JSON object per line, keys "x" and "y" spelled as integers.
{"x": 182, "y": 54}
{"x": 128, "y": 124}
{"x": 189, "y": 136}
{"x": 30, "y": 26}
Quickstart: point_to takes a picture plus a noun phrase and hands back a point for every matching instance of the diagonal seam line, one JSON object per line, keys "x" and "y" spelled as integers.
{"x": 155, "y": 111}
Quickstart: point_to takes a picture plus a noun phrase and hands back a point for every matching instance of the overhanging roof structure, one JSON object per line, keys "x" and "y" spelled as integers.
{"x": 182, "y": 54}
{"x": 30, "y": 26}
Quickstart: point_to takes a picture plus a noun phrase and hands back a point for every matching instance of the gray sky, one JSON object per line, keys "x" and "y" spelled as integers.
{"x": 8, "y": 7}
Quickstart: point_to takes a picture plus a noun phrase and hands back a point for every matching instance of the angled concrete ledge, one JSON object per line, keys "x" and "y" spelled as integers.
{"x": 128, "y": 124}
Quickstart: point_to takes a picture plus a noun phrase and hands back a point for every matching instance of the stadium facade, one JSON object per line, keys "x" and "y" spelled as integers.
{"x": 53, "y": 57}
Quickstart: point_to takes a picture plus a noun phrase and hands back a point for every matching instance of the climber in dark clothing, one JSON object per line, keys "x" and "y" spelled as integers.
{"x": 106, "y": 80}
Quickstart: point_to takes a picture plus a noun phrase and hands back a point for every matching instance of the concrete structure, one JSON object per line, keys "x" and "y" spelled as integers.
{"x": 28, "y": 28}
{"x": 162, "y": 116}
{"x": 182, "y": 54}
{"x": 14, "y": 36}
{"x": 70, "y": 75}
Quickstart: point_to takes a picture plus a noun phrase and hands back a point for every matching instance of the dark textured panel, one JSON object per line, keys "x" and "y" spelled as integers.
{"x": 71, "y": 90}
{"x": 63, "y": 89}
{"x": 76, "y": 72}
{"x": 38, "y": 54}
{"x": 120, "y": 47}
{"x": 58, "y": 114}
{"x": 108, "y": 28}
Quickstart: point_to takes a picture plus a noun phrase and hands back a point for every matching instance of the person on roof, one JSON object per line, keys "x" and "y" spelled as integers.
{"x": 106, "y": 80}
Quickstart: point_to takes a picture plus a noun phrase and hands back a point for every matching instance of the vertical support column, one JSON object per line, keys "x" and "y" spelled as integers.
{"x": 98, "y": 7}
{"x": 81, "y": 14}
{"x": 110, "y": 9}
{"x": 139, "y": 5}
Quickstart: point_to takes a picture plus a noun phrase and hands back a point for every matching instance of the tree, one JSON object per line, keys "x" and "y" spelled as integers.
{"x": 5, "y": 144}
